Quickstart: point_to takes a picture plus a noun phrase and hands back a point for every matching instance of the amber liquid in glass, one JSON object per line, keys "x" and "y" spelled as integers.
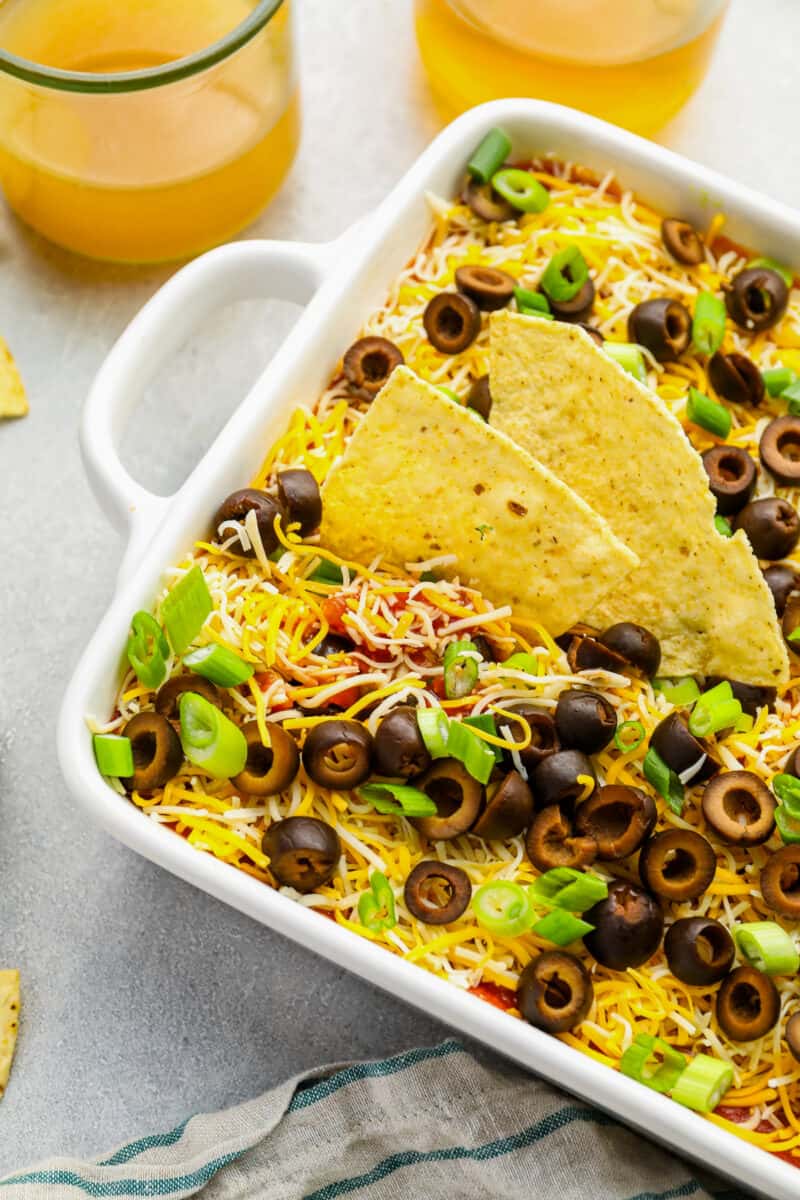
{"x": 146, "y": 175}
{"x": 633, "y": 62}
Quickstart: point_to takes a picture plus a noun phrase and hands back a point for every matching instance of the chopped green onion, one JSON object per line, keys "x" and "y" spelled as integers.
{"x": 788, "y": 826}
{"x": 744, "y": 724}
{"x": 703, "y": 1083}
{"x": 532, "y": 304}
{"x": 185, "y": 608}
{"x": 564, "y": 887}
{"x": 564, "y": 275}
{"x": 767, "y": 947}
{"x": 637, "y": 733}
{"x": 503, "y": 908}
{"x": 721, "y": 691}
{"x": 327, "y": 572}
{"x": 794, "y": 636}
{"x": 773, "y": 265}
{"x": 711, "y": 718}
{"x": 451, "y": 395}
{"x": 521, "y": 189}
{"x": 434, "y": 726}
{"x": 778, "y": 379}
{"x": 476, "y": 755}
{"x": 708, "y": 325}
{"x": 787, "y": 789}
{"x": 376, "y": 910}
{"x": 682, "y": 694}
{"x": 561, "y": 928}
{"x": 398, "y": 799}
{"x": 486, "y": 722}
{"x": 791, "y": 395}
{"x": 629, "y": 357}
{"x": 652, "y": 1062}
{"x": 665, "y": 781}
{"x": 428, "y": 577}
{"x": 460, "y": 669}
{"x": 220, "y": 665}
{"x": 209, "y": 739}
{"x": 148, "y": 650}
{"x": 722, "y": 526}
{"x": 113, "y": 755}
{"x": 707, "y": 413}
{"x": 523, "y": 662}
{"x": 490, "y": 155}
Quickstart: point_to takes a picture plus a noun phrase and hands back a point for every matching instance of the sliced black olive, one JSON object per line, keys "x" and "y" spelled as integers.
{"x": 638, "y": 646}
{"x": 157, "y": 751}
{"x": 732, "y": 476}
{"x": 681, "y": 750}
{"x": 452, "y": 322}
{"x": 578, "y": 308}
{"x": 779, "y": 449}
{"x": 437, "y": 893}
{"x": 793, "y": 1036}
{"x": 555, "y": 991}
{"x": 699, "y": 951}
{"x": 298, "y": 491}
{"x": 303, "y": 852}
{"x": 589, "y": 654}
{"x": 790, "y": 623}
{"x": 169, "y": 694}
{"x": 757, "y": 298}
{"x": 618, "y": 819}
{"x": 748, "y": 1004}
{"x": 585, "y": 720}
{"x": 782, "y": 580}
{"x": 337, "y": 754}
{"x": 739, "y": 808}
{"x": 486, "y": 203}
{"x": 771, "y": 525}
{"x": 627, "y": 927}
{"x": 663, "y": 326}
{"x": 551, "y": 842}
{"x": 509, "y": 809}
{"x": 593, "y": 333}
{"x": 682, "y": 241}
{"x": 457, "y": 797}
{"x": 677, "y": 865}
{"x": 736, "y": 378}
{"x": 239, "y": 504}
{"x": 555, "y": 780}
{"x": 398, "y": 749}
{"x": 479, "y": 397}
{"x": 487, "y": 286}
{"x": 751, "y": 697}
{"x": 333, "y": 643}
{"x": 780, "y": 882}
{"x": 268, "y": 769}
{"x": 544, "y": 736}
{"x": 369, "y": 362}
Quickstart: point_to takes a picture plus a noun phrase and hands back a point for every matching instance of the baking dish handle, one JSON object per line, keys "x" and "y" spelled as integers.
{"x": 240, "y": 271}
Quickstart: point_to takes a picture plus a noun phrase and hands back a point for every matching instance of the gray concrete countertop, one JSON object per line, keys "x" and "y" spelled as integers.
{"x": 144, "y": 999}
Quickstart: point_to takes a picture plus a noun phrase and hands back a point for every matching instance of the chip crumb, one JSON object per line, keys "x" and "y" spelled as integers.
{"x": 9, "y": 1022}
{"x": 13, "y": 401}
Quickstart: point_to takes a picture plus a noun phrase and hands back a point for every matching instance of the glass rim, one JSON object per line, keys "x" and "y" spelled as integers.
{"x": 148, "y": 77}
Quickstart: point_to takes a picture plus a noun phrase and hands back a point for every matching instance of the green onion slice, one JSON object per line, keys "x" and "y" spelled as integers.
{"x": 653, "y": 1062}
{"x": 220, "y": 665}
{"x": 788, "y": 826}
{"x": 794, "y": 636}
{"x": 476, "y": 755}
{"x": 460, "y": 669}
{"x": 665, "y": 781}
{"x": 707, "y": 413}
{"x": 714, "y": 711}
{"x": 767, "y": 947}
{"x": 682, "y": 693}
{"x": 148, "y": 650}
{"x": 708, "y": 325}
{"x": 210, "y": 740}
{"x": 722, "y": 526}
{"x": 521, "y": 189}
{"x": 532, "y": 303}
{"x": 326, "y": 572}
{"x": 629, "y": 357}
{"x": 185, "y": 608}
{"x": 791, "y": 395}
{"x": 451, "y": 395}
{"x": 486, "y": 722}
{"x": 564, "y": 275}
{"x": 744, "y": 724}
{"x": 566, "y": 888}
{"x": 490, "y": 155}
{"x": 787, "y": 789}
{"x": 503, "y": 908}
{"x": 773, "y": 265}
{"x": 113, "y": 755}
{"x": 703, "y": 1083}
{"x": 523, "y": 662}
{"x": 561, "y": 928}
{"x": 434, "y": 726}
{"x": 376, "y": 910}
{"x": 398, "y": 799}
{"x": 629, "y": 736}
{"x": 778, "y": 379}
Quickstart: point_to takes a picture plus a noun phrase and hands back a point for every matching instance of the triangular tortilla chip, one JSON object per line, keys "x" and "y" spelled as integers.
{"x": 12, "y": 390}
{"x": 614, "y": 441}
{"x": 423, "y": 477}
{"x": 9, "y": 1020}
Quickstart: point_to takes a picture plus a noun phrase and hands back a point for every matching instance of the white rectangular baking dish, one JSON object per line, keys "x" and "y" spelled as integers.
{"x": 340, "y": 283}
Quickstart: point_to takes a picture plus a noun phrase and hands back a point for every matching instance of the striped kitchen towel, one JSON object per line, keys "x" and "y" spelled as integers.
{"x": 437, "y": 1123}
